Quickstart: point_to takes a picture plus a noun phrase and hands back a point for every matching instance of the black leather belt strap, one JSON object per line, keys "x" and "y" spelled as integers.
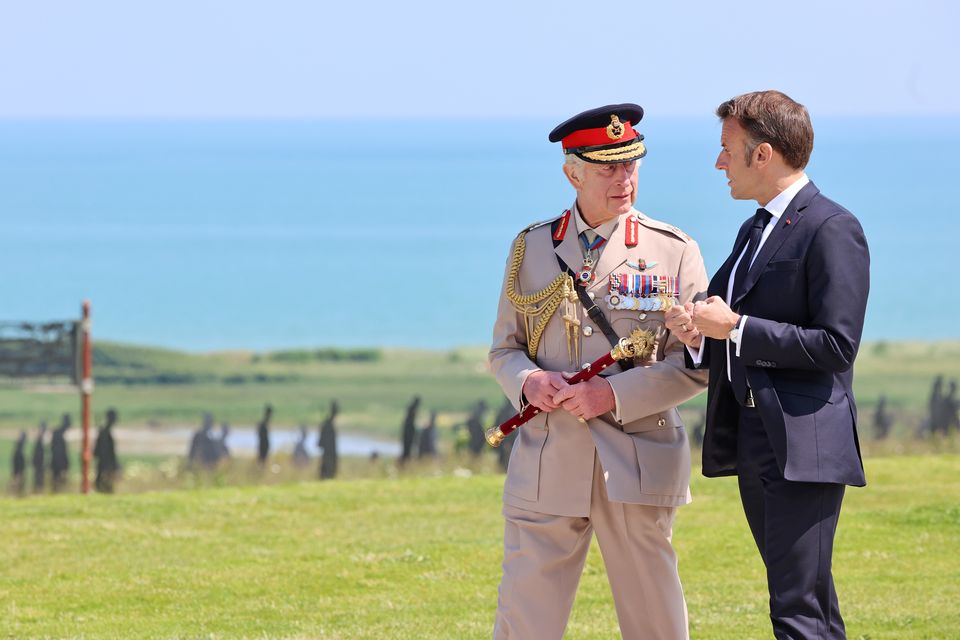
{"x": 593, "y": 311}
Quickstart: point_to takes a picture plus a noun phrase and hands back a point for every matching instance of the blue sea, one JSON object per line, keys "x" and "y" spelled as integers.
{"x": 211, "y": 235}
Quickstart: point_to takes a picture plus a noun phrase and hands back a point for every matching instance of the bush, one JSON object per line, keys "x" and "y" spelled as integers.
{"x": 329, "y": 354}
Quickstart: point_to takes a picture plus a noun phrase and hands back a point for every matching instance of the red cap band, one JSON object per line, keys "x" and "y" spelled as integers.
{"x": 596, "y": 137}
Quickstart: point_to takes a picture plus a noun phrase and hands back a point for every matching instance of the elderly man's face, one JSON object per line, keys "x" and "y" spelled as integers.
{"x": 605, "y": 191}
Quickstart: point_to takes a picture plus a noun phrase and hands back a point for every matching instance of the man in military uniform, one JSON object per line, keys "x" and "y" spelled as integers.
{"x": 608, "y": 455}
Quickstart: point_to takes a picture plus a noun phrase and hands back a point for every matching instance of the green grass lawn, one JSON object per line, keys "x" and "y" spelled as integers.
{"x": 419, "y": 557}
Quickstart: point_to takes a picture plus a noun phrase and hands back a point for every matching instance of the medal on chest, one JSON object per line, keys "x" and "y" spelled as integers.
{"x": 643, "y": 293}
{"x": 586, "y": 274}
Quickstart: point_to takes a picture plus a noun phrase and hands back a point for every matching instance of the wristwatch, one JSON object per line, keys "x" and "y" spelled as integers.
{"x": 734, "y": 335}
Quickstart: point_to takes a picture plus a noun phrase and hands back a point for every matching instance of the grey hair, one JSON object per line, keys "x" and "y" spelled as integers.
{"x": 575, "y": 163}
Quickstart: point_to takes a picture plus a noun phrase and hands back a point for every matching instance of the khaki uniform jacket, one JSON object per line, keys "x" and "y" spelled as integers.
{"x": 643, "y": 449}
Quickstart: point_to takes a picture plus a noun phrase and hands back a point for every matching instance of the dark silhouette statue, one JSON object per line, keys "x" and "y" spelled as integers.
{"x": 328, "y": 442}
{"x": 18, "y": 465}
{"x": 951, "y": 410}
{"x": 475, "y": 428}
{"x": 203, "y": 449}
{"x": 427, "y": 442}
{"x": 408, "y": 433}
{"x": 934, "y": 419}
{"x": 882, "y": 420}
{"x": 105, "y": 452}
{"x": 263, "y": 435}
{"x": 38, "y": 459}
{"x": 59, "y": 457}
{"x": 301, "y": 457}
{"x": 220, "y": 443}
{"x": 504, "y": 413}
{"x": 696, "y": 434}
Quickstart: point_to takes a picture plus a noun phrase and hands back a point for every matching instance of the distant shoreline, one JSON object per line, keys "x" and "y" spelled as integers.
{"x": 416, "y": 349}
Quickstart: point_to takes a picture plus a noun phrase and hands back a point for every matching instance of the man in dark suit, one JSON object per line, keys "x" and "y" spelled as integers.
{"x": 779, "y": 332}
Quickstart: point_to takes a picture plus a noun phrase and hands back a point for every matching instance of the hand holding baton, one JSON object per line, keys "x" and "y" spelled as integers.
{"x": 638, "y": 345}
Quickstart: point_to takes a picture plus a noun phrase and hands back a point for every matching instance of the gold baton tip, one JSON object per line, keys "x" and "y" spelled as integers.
{"x": 494, "y": 436}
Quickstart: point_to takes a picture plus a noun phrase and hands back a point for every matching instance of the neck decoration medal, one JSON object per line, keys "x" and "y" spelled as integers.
{"x": 590, "y": 250}
{"x": 585, "y": 275}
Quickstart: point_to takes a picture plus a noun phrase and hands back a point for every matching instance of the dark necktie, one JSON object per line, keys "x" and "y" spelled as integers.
{"x": 760, "y": 220}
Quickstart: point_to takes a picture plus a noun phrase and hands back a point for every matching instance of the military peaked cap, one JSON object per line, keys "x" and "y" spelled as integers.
{"x": 604, "y": 135}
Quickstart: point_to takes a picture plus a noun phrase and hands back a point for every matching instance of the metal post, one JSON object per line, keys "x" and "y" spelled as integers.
{"x": 86, "y": 394}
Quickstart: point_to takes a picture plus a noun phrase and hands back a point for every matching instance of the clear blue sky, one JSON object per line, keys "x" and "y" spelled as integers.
{"x": 287, "y": 58}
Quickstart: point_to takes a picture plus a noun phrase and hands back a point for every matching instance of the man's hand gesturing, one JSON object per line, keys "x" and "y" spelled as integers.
{"x": 679, "y": 321}
{"x": 714, "y": 318}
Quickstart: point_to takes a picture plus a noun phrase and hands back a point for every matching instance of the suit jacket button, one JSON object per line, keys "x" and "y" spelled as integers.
{"x": 759, "y": 363}
{"x": 588, "y": 331}
{"x": 661, "y": 422}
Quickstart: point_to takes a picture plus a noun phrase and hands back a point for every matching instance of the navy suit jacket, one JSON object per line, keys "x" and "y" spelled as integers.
{"x": 805, "y": 295}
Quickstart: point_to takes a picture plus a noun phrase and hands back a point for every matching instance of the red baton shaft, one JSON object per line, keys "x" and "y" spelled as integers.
{"x": 495, "y": 435}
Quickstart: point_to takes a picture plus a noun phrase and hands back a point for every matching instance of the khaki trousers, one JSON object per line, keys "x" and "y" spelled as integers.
{"x": 543, "y": 558}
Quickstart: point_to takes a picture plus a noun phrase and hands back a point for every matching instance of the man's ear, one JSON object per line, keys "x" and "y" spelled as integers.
{"x": 570, "y": 171}
{"x": 763, "y": 154}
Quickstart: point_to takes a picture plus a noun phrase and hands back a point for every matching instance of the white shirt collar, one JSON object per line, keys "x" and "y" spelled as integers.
{"x": 605, "y": 229}
{"x": 779, "y": 204}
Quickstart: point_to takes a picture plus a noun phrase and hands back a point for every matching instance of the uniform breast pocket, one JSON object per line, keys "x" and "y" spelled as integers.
{"x": 552, "y": 343}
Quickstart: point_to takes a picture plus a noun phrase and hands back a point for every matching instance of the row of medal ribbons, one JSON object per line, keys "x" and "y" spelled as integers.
{"x": 634, "y": 291}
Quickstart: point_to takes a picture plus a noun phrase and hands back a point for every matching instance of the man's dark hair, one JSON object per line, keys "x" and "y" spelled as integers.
{"x": 773, "y": 117}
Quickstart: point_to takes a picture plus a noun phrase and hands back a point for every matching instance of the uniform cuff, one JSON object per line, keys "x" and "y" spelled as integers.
{"x": 616, "y": 404}
{"x": 741, "y": 325}
{"x": 697, "y": 356}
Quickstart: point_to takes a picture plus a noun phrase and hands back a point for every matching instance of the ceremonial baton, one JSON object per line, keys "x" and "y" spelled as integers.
{"x": 638, "y": 344}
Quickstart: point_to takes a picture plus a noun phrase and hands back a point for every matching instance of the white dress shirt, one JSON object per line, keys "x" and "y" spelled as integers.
{"x": 776, "y": 207}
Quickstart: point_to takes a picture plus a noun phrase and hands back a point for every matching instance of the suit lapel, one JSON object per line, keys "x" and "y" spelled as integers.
{"x": 781, "y": 231}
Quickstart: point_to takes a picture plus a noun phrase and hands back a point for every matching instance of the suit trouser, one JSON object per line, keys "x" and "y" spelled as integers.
{"x": 543, "y": 557}
{"x": 793, "y": 524}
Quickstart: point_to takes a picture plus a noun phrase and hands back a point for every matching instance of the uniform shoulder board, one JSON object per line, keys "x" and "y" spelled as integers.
{"x": 539, "y": 224}
{"x": 662, "y": 226}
